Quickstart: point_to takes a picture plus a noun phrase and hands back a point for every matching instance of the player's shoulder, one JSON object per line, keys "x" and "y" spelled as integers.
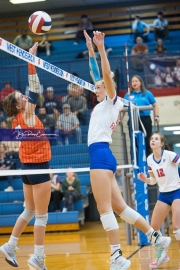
{"x": 115, "y": 102}
{"x": 121, "y": 101}
{"x": 169, "y": 153}
{"x": 17, "y": 117}
{"x": 150, "y": 157}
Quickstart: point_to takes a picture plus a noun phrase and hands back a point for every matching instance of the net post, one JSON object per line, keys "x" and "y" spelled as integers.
{"x": 140, "y": 165}
{"x": 125, "y": 182}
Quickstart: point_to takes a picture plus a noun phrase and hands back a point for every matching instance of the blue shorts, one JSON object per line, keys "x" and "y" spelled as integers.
{"x": 169, "y": 197}
{"x": 34, "y": 179}
{"x": 101, "y": 157}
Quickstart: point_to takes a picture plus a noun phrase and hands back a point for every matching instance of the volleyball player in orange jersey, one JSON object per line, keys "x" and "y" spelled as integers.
{"x": 33, "y": 155}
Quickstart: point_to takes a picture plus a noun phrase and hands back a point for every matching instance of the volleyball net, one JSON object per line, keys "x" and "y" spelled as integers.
{"x": 64, "y": 106}
{"x": 66, "y": 93}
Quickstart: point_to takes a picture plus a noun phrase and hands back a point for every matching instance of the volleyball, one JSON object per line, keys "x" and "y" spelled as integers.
{"x": 40, "y": 22}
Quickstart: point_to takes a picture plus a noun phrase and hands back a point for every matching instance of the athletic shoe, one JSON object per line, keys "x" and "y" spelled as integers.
{"x": 37, "y": 263}
{"x": 161, "y": 247}
{"x": 153, "y": 265}
{"x": 10, "y": 255}
{"x": 120, "y": 263}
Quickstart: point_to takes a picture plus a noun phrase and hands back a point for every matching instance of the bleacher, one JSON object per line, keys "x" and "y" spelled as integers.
{"x": 112, "y": 21}
{"x": 116, "y": 57}
{"x": 116, "y": 23}
{"x": 11, "y": 203}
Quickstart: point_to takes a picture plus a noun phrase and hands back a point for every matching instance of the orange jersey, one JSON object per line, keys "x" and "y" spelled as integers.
{"x": 32, "y": 151}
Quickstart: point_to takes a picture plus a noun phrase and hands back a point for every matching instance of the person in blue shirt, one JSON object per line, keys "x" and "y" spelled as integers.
{"x": 138, "y": 27}
{"x": 142, "y": 97}
{"x": 161, "y": 27}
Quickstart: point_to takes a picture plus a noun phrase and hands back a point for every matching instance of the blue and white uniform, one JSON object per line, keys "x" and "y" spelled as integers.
{"x": 103, "y": 121}
{"x": 166, "y": 174}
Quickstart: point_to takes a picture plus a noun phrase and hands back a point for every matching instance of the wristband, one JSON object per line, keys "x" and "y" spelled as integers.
{"x": 33, "y": 97}
{"x": 153, "y": 181}
{"x": 94, "y": 69}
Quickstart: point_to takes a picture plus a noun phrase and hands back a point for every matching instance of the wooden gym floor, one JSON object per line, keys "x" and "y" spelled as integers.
{"x": 86, "y": 249}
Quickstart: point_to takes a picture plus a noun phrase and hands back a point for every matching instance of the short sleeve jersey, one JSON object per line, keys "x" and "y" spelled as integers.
{"x": 139, "y": 27}
{"x": 141, "y": 99}
{"x": 165, "y": 171}
{"x": 103, "y": 120}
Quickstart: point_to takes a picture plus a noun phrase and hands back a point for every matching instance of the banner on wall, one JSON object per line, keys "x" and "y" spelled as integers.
{"x": 162, "y": 71}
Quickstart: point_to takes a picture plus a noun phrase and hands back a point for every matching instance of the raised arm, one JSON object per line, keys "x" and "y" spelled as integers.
{"x": 34, "y": 86}
{"x": 93, "y": 65}
{"x": 106, "y": 70}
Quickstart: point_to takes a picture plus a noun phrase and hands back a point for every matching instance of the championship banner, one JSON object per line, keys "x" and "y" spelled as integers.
{"x": 141, "y": 189}
{"x": 162, "y": 72}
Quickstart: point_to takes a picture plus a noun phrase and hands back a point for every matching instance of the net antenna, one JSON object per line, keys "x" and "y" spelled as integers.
{"x": 131, "y": 109}
{"x": 127, "y": 67}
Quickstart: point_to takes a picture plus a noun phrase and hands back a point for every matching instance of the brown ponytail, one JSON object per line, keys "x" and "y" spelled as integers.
{"x": 9, "y": 105}
{"x": 166, "y": 145}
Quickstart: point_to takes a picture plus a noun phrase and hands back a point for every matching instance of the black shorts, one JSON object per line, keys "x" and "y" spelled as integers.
{"x": 35, "y": 179}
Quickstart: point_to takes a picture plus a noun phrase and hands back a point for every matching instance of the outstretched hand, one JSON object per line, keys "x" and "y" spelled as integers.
{"x": 33, "y": 49}
{"x": 142, "y": 177}
{"x": 98, "y": 39}
{"x": 88, "y": 40}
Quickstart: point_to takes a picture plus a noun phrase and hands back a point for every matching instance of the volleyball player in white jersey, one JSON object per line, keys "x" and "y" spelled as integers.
{"x": 163, "y": 169}
{"x": 103, "y": 164}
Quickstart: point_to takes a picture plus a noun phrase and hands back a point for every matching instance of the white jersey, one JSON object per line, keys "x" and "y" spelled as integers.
{"x": 104, "y": 119}
{"x": 165, "y": 171}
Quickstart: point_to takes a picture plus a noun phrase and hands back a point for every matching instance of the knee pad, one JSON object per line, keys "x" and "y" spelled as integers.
{"x": 109, "y": 221}
{"x": 41, "y": 220}
{"x": 129, "y": 215}
{"x": 177, "y": 234}
{"x": 27, "y": 215}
